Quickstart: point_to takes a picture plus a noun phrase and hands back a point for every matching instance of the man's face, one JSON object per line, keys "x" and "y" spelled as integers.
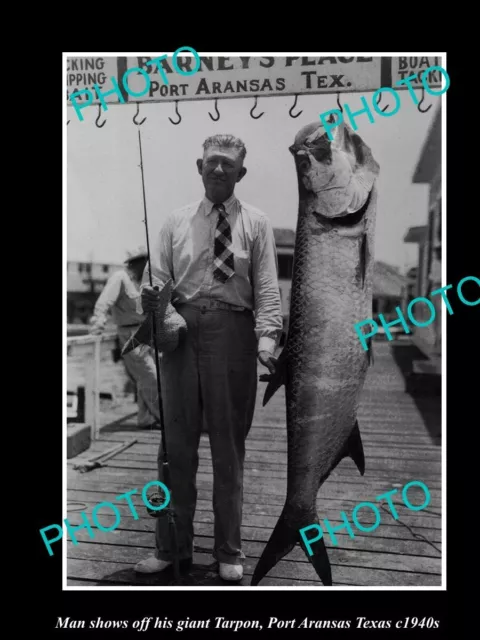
{"x": 137, "y": 268}
{"x": 221, "y": 168}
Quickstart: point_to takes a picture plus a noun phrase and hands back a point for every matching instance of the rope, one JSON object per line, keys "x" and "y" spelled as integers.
{"x": 415, "y": 535}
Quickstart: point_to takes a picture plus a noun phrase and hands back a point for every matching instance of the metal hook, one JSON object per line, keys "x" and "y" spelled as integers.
{"x": 421, "y": 102}
{"x": 293, "y": 107}
{"x": 176, "y": 111}
{"x": 379, "y": 99}
{"x": 252, "y": 110}
{"x": 135, "y": 116}
{"x": 68, "y": 122}
{"x": 338, "y": 102}
{"x": 98, "y": 117}
{"x": 216, "y": 109}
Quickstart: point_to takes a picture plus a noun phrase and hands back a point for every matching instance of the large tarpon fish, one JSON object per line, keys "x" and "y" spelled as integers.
{"x": 323, "y": 364}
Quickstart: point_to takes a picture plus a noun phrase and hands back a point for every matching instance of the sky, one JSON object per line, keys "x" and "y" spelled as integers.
{"x": 104, "y": 190}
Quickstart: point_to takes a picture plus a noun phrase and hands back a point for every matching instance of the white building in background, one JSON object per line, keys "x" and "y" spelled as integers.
{"x": 428, "y": 274}
{"x": 85, "y": 281}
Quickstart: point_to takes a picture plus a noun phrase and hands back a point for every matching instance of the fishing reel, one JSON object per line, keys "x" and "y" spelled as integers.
{"x": 156, "y": 498}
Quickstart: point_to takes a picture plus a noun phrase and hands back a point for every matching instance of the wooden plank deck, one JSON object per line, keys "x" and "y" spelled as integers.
{"x": 398, "y": 449}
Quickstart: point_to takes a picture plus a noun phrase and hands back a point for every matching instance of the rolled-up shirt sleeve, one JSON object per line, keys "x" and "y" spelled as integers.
{"x": 160, "y": 259}
{"x": 268, "y": 307}
{"x": 106, "y": 300}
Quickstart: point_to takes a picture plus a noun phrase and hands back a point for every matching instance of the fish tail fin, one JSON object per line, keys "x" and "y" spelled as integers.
{"x": 275, "y": 380}
{"x": 355, "y": 449}
{"x": 165, "y": 297}
{"x": 319, "y": 560}
{"x": 282, "y": 541}
{"x": 144, "y": 334}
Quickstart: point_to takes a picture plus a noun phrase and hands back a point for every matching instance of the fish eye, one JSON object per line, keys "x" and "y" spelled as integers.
{"x": 322, "y": 153}
{"x": 303, "y": 163}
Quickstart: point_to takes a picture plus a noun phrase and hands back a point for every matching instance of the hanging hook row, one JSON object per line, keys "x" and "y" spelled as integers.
{"x": 293, "y": 107}
{"x": 338, "y": 102}
{"x": 135, "y": 116}
{"x": 379, "y": 99}
{"x": 98, "y": 117}
{"x": 217, "y": 112}
{"x": 421, "y": 102}
{"x": 178, "y": 114}
{"x": 253, "y": 109}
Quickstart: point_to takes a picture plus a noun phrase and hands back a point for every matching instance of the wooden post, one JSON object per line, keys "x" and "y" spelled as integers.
{"x": 96, "y": 419}
{"x": 90, "y": 347}
{"x": 90, "y": 393}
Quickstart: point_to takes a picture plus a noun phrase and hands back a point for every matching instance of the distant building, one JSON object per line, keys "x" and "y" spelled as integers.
{"x": 388, "y": 290}
{"x": 428, "y": 274}
{"x": 285, "y": 242}
{"x": 85, "y": 281}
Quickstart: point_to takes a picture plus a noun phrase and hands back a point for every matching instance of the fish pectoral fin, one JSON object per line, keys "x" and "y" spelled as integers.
{"x": 275, "y": 380}
{"x": 354, "y": 449}
{"x": 143, "y": 335}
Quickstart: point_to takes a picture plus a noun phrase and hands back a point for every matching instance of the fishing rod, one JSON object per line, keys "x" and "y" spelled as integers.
{"x": 170, "y": 511}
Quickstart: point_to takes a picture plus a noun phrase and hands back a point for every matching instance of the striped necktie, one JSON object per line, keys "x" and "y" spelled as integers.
{"x": 223, "y": 257}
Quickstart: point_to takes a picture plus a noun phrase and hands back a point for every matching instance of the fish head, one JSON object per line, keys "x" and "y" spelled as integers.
{"x": 335, "y": 176}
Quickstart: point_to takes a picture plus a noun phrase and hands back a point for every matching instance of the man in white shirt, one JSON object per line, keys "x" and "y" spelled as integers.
{"x": 221, "y": 254}
{"x": 119, "y": 298}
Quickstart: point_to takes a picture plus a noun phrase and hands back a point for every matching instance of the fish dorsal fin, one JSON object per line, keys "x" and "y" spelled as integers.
{"x": 276, "y": 379}
{"x": 353, "y": 448}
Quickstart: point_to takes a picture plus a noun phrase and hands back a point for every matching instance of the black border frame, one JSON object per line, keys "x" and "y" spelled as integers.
{"x": 43, "y": 576}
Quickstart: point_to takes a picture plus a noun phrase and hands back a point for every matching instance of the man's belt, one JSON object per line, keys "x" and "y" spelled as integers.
{"x": 129, "y": 326}
{"x": 210, "y": 303}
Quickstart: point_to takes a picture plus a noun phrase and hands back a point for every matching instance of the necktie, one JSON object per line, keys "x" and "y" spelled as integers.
{"x": 223, "y": 258}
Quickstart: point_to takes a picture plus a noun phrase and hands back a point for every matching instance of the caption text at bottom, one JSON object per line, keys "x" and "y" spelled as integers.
{"x": 220, "y": 622}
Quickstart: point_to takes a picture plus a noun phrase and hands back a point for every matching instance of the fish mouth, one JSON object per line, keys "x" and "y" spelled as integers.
{"x": 344, "y": 221}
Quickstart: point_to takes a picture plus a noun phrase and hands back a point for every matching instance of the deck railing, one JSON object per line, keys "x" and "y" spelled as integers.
{"x": 90, "y": 348}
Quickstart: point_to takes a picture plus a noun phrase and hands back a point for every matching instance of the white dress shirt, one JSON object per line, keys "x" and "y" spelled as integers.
{"x": 184, "y": 251}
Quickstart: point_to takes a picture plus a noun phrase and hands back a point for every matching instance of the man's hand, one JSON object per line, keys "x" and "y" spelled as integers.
{"x": 95, "y": 331}
{"x": 150, "y": 299}
{"x": 269, "y": 361}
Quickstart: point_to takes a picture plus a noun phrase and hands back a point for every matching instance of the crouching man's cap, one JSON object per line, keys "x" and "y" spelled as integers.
{"x": 139, "y": 252}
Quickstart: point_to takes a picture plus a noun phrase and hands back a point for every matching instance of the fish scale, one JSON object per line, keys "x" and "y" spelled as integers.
{"x": 323, "y": 365}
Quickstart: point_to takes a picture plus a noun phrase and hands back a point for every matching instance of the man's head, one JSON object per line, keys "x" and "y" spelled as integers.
{"x": 136, "y": 267}
{"x": 222, "y": 166}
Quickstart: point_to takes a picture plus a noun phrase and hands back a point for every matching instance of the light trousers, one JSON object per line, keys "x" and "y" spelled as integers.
{"x": 140, "y": 366}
